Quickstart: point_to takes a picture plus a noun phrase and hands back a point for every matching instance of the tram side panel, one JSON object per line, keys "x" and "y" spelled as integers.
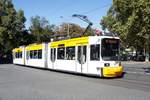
{"x": 72, "y": 58}
{"x": 66, "y": 58}
{"x": 61, "y": 58}
{"x": 93, "y": 56}
{"x": 88, "y": 57}
{"x": 82, "y": 58}
{"x": 35, "y": 55}
{"x": 48, "y": 57}
{"x": 19, "y": 55}
{"x": 51, "y": 57}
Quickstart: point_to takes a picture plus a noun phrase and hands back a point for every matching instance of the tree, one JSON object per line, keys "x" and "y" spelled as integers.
{"x": 70, "y": 29}
{"x": 41, "y": 29}
{"x": 131, "y": 20}
{"x": 11, "y": 27}
{"x": 73, "y": 30}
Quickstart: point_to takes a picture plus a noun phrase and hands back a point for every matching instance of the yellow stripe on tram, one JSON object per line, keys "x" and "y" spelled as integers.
{"x": 17, "y": 50}
{"x": 70, "y": 42}
{"x": 34, "y": 47}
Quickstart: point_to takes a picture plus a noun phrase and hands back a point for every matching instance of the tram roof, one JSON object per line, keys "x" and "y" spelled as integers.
{"x": 67, "y": 42}
{"x": 76, "y": 41}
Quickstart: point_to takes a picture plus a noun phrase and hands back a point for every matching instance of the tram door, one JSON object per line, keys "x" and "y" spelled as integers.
{"x": 53, "y": 57}
{"x": 82, "y": 59}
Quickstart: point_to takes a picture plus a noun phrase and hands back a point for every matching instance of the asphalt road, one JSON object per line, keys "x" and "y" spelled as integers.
{"x": 137, "y": 70}
{"x": 23, "y": 83}
{"x": 137, "y": 67}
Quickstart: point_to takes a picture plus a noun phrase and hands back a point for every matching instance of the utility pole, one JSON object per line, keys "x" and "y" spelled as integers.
{"x": 68, "y": 30}
{"x": 68, "y": 27}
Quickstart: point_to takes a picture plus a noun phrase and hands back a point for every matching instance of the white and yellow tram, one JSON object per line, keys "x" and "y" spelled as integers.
{"x": 93, "y": 55}
{"x": 19, "y": 55}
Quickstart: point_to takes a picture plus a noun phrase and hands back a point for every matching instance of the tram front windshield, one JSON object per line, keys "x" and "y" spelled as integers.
{"x": 110, "y": 49}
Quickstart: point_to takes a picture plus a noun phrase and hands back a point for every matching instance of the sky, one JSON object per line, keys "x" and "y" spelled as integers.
{"x": 59, "y": 11}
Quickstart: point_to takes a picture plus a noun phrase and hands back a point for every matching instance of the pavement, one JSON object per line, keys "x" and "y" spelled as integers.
{"x": 23, "y": 83}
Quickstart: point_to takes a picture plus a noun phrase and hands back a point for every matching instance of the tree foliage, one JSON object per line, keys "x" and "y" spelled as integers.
{"x": 12, "y": 27}
{"x": 70, "y": 29}
{"x": 131, "y": 20}
{"x": 41, "y": 29}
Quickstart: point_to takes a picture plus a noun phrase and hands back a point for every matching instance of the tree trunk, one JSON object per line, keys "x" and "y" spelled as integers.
{"x": 147, "y": 48}
{"x": 147, "y": 57}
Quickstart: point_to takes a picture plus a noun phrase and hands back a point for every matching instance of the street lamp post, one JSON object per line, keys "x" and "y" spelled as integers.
{"x": 68, "y": 27}
{"x": 68, "y": 30}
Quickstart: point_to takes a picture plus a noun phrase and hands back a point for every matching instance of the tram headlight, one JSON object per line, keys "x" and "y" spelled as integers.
{"x": 106, "y": 64}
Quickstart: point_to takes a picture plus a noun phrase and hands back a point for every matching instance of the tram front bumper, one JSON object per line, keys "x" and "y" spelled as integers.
{"x": 112, "y": 71}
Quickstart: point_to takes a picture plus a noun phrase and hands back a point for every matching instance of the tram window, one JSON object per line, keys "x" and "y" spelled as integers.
{"x": 70, "y": 53}
{"x": 27, "y": 54}
{"x": 39, "y": 54}
{"x": 110, "y": 49}
{"x": 16, "y": 54}
{"x": 84, "y": 53}
{"x": 35, "y": 54}
{"x": 31, "y": 54}
{"x": 95, "y": 52}
{"x": 83, "y": 58}
{"x": 20, "y": 54}
{"x": 53, "y": 54}
{"x": 61, "y": 53}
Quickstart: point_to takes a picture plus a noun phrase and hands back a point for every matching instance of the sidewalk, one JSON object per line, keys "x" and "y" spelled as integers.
{"x": 134, "y": 62}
